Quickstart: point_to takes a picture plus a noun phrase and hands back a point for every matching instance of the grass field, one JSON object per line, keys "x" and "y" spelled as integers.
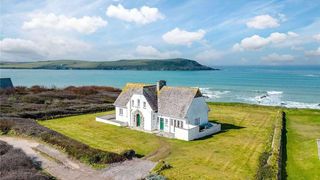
{"x": 303, "y": 128}
{"x": 231, "y": 154}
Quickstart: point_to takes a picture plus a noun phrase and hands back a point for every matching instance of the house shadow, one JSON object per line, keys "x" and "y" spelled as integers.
{"x": 224, "y": 128}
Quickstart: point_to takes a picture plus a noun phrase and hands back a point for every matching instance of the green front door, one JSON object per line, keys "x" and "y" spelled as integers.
{"x": 161, "y": 124}
{"x": 138, "y": 120}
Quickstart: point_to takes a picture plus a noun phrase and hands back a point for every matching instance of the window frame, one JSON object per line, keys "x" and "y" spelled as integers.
{"x": 144, "y": 105}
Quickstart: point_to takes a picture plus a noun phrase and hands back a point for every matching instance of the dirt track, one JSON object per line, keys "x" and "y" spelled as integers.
{"x": 59, "y": 165}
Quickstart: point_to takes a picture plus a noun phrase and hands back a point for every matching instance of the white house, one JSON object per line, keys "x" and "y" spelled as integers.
{"x": 176, "y": 112}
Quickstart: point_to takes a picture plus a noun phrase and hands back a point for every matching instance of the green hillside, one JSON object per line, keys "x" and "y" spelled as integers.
{"x": 141, "y": 64}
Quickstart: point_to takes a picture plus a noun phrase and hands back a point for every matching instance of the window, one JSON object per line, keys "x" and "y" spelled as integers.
{"x": 166, "y": 122}
{"x": 144, "y": 105}
{"x": 197, "y": 121}
{"x": 132, "y": 103}
{"x": 138, "y": 102}
{"x": 120, "y": 112}
{"x": 177, "y": 123}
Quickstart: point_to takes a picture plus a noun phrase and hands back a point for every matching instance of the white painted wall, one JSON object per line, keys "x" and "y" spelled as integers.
{"x": 194, "y": 133}
{"x": 198, "y": 109}
{"x": 124, "y": 116}
{"x": 147, "y": 112}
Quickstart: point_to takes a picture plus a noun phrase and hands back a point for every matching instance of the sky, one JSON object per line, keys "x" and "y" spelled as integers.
{"x": 212, "y": 32}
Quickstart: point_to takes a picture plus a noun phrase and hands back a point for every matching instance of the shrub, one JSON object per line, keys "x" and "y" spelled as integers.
{"x": 5, "y": 126}
{"x": 162, "y": 165}
{"x": 38, "y": 89}
{"x": 129, "y": 154}
{"x": 15, "y": 164}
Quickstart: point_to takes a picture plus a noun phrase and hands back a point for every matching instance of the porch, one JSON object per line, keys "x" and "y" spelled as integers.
{"x": 111, "y": 119}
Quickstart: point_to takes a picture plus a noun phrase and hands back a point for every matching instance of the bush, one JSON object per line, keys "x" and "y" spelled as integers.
{"x": 5, "y": 126}
{"x": 162, "y": 165}
{"x": 15, "y": 164}
{"x": 129, "y": 154}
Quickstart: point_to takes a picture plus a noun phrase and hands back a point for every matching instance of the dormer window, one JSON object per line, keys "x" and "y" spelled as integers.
{"x": 138, "y": 102}
{"x": 144, "y": 105}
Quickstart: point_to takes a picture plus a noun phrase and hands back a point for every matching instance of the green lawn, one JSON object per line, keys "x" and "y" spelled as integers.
{"x": 303, "y": 128}
{"x": 231, "y": 154}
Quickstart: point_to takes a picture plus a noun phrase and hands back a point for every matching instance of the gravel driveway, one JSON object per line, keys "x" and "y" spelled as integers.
{"x": 59, "y": 165}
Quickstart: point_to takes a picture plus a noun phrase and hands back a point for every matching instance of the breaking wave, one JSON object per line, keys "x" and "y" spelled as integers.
{"x": 267, "y": 98}
{"x": 213, "y": 94}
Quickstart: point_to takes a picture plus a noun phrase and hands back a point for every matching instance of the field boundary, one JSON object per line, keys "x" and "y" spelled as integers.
{"x": 282, "y": 174}
{"x": 270, "y": 161}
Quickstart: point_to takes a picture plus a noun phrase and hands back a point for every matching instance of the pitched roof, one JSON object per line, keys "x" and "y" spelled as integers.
{"x": 149, "y": 91}
{"x": 175, "y": 101}
{"x": 170, "y": 101}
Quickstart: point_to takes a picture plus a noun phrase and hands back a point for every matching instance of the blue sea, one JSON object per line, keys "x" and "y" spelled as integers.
{"x": 291, "y": 86}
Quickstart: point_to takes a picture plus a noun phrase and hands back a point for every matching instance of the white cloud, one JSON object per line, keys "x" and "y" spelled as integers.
{"x": 317, "y": 37}
{"x": 144, "y": 15}
{"x": 209, "y": 55}
{"x": 313, "y": 52}
{"x": 256, "y": 42}
{"x": 276, "y": 58}
{"x": 19, "y": 46}
{"x": 263, "y": 22}
{"x": 151, "y": 52}
{"x": 86, "y": 24}
{"x": 182, "y": 37}
{"x": 47, "y": 47}
{"x": 277, "y": 37}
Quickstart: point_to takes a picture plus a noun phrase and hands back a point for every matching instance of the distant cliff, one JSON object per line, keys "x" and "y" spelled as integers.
{"x": 136, "y": 64}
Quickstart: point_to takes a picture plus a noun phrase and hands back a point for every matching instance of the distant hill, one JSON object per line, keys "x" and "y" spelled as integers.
{"x": 136, "y": 64}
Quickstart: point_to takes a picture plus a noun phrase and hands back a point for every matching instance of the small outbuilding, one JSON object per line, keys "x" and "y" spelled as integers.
{"x": 5, "y": 83}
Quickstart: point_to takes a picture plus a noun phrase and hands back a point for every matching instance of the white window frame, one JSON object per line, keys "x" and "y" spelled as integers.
{"x": 120, "y": 111}
{"x": 144, "y": 105}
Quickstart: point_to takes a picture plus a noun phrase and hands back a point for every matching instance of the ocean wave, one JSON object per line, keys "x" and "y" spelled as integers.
{"x": 312, "y": 75}
{"x": 267, "y": 98}
{"x": 213, "y": 94}
{"x": 274, "y": 92}
{"x": 274, "y": 98}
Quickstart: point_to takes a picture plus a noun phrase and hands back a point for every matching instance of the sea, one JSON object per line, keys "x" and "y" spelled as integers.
{"x": 288, "y": 86}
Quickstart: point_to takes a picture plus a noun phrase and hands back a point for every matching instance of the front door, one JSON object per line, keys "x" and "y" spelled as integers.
{"x": 161, "y": 124}
{"x": 138, "y": 120}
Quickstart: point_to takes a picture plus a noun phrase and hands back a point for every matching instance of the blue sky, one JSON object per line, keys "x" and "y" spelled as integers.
{"x": 213, "y": 32}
